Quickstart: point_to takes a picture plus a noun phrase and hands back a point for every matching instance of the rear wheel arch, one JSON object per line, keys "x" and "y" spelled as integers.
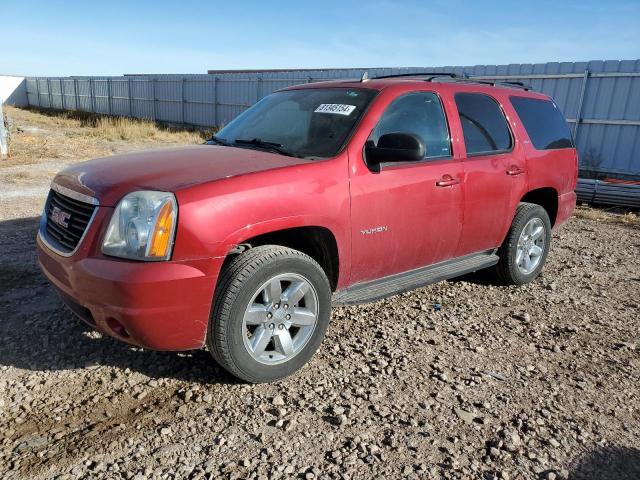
{"x": 547, "y": 198}
{"x": 315, "y": 241}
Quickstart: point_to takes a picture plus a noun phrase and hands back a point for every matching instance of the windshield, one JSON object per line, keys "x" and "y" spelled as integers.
{"x": 309, "y": 122}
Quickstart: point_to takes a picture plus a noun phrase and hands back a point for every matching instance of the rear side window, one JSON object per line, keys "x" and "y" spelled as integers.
{"x": 543, "y": 122}
{"x": 483, "y": 124}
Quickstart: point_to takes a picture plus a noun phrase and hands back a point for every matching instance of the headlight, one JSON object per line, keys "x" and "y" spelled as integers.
{"x": 142, "y": 226}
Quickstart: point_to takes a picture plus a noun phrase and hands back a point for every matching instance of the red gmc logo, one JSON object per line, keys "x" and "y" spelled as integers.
{"x": 60, "y": 217}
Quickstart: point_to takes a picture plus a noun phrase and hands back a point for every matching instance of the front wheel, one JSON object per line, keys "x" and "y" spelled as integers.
{"x": 525, "y": 250}
{"x": 271, "y": 311}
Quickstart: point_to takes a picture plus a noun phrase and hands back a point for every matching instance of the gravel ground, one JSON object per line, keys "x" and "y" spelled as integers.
{"x": 538, "y": 381}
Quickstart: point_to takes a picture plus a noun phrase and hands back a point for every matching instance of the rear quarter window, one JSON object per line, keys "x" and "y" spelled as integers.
{"x": 543, "y": 122}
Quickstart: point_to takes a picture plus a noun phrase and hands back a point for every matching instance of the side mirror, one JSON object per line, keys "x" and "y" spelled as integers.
{"x": 396, "y": 147}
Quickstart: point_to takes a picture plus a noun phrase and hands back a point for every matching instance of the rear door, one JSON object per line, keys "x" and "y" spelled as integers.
{"x": 406, "y": 215}
{"x": 494, "y": 170}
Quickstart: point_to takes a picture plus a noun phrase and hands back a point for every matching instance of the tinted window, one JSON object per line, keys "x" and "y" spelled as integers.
{"x": 310, "y": 122}
{"x": 484, "y": 127}
{"x": 420, "y": 114}
{"x": 543, "y": 122}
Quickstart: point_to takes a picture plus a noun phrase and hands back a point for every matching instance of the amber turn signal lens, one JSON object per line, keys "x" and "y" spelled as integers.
{"x": 161, "y": 236}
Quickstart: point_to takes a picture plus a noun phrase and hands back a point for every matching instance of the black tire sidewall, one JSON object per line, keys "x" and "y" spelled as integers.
{"x": 524, "y": 215}
{"x": 248, "y": 368}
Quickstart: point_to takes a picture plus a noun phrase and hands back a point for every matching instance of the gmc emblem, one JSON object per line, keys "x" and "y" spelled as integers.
{"x": 60, "y": 217}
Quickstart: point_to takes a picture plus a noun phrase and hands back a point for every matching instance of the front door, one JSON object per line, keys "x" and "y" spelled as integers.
{"x": 406, "y": 215}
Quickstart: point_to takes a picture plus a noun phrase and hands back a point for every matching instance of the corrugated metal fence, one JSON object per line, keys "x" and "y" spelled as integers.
{"x": 600, "y": 99}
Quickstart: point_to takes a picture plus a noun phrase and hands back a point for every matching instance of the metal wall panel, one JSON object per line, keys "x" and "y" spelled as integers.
{"x": 601, "y": 105}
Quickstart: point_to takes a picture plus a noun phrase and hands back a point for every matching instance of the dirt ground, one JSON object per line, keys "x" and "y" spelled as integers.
{"x": 540, "y": 381}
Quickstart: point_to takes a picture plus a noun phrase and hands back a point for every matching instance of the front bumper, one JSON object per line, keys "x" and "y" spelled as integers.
{"x": 157, "y": 305}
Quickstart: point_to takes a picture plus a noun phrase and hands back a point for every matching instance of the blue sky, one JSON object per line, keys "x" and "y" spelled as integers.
{"x": 114, "y": 37}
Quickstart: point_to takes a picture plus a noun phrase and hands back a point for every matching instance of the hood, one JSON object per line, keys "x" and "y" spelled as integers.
{"x": 109, "y": 179}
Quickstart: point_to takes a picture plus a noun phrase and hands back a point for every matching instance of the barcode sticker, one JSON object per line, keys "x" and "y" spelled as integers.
{"x": 336, "y": 108}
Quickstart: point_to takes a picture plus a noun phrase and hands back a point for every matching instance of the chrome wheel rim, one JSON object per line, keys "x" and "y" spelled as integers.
{"x": 531, "y": 245}
{"x": 280, "y": 319}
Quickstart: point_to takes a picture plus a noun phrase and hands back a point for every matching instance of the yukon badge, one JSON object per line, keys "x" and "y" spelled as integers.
{"x": 372, "y": 230}
{"x": 60, "y": 217}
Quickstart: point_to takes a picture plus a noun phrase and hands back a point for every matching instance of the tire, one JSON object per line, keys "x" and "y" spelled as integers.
{"x": 240, "y": 301}
{"x": 511, "y": 271}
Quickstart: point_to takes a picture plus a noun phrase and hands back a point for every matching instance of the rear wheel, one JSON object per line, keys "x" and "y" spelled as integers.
{"x": 271, "y": 311}
{"x": 525, "y": 250}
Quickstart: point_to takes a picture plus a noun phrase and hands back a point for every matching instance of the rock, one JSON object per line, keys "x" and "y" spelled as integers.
{"x": 464, "y": 415}
{"x": 511, "y": 439}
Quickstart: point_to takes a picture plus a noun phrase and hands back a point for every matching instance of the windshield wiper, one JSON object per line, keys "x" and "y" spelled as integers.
{"x": 219, "y": 141}
{"x": 276, "y": 147}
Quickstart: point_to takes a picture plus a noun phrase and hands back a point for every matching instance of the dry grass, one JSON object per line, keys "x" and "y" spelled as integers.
{"x": 19, "y": 178}
{"x": 112, "y": 128}
{"x": 38, "y": 135}
{"x": 609, "y": 215}
{"x": 120, "y": 128}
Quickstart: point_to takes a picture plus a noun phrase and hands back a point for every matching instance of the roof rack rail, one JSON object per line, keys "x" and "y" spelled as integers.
{"x": 424, "y": 74}
{"x": 456, "y": 77}
{"x": 512, "y": 83}
{"x": 503, "y": 83}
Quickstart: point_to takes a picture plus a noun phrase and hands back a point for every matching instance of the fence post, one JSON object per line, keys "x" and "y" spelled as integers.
{"x": 258, "y": 89}
{"x": 129, "y": 97}
{"x": 49, "y": 92}
{"x": 76, "y": 98}
{"x": 153, "y": 95}
{"x": 4, "y": 147}
{"x": 38, "y": 90}
{"x": 92, "y": 99}
{"x": 109, "y": 94}
{"x": 61, "y": 92}
{"x": 215, "y": 102}
{"x": 583, "y": 89}
{"x": 183, "y": 97}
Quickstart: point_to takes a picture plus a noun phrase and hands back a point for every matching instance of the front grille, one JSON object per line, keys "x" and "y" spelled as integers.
{"x": 66, "y": 221}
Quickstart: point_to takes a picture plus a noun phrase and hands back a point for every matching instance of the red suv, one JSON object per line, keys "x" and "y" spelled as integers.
{"x": 338, "y": 192}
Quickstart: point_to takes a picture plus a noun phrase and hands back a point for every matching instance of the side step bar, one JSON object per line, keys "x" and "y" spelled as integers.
{"x": 403, "y": 282}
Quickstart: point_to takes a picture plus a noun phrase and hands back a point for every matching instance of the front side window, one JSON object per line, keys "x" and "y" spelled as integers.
{"x": 421, "y": 114}
{"x": 543, "y": 122}
{"x": 484, "y": 127}
{"x": 310, "y": 123}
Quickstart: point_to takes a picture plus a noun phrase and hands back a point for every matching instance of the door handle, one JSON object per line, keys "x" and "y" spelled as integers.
{"x": 515, "y": 170}
{"x": 447, "y": 181}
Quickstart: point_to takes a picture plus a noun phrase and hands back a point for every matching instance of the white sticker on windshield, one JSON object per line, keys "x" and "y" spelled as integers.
{"x": 336, "y": 108}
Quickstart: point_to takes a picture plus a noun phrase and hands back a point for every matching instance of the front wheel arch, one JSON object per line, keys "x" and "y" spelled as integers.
{"x": 317, "y": 242}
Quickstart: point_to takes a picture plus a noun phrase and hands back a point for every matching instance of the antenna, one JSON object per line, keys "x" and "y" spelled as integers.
{"x": 365, "y": 76}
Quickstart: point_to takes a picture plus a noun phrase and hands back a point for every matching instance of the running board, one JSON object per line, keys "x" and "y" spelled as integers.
{"x": 403, "y": 282}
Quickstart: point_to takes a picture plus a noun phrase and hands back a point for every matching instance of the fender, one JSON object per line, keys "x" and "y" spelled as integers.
{"x": 283, "y": 223}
